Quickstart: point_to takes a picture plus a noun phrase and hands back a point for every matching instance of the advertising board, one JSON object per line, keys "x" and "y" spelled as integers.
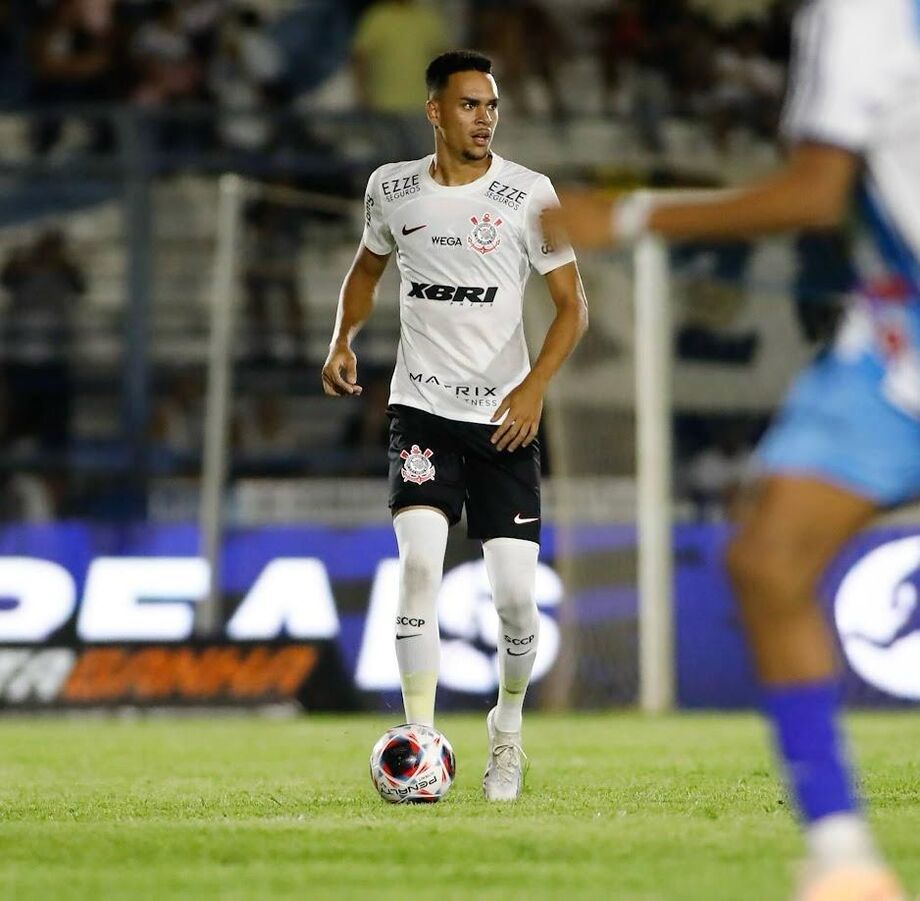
{"x": 103, "y": 615}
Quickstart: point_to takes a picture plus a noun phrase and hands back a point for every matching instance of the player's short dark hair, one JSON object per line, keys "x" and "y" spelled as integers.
{"x": 445, "y": 65}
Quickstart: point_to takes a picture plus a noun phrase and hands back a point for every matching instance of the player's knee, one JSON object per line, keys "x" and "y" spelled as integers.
{"x": 767, "y": 574}
{"x": 420, "y": 579}
{"x": 753, "y": 567}
{"x": 515, "y": 606}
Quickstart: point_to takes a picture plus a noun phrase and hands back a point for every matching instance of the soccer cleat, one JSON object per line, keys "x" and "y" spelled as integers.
{"x": 504, "y": 776}
{"x": 851, "y": 883}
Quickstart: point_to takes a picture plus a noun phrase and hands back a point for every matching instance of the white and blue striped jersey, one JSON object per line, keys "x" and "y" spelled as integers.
{"x": 855, "y": 84}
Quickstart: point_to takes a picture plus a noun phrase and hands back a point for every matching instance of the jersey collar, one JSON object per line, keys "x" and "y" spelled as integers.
{"x": 485, "y": 178}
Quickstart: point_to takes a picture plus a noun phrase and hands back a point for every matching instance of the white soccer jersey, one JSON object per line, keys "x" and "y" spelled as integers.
{"x": 856, "y": 84}
{"x": 464, "y": 255}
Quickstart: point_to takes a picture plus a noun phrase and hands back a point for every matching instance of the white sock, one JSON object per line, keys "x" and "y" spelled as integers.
{"x": 422, "y": 538}
{"x": 512, "y": 567}
{"x": 839, "y": 839}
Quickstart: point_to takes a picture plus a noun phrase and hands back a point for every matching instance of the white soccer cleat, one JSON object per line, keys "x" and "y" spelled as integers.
{"x": 843, "y": 863}
{"x": 851, "y": 883}
{"x": 504, "y": 776}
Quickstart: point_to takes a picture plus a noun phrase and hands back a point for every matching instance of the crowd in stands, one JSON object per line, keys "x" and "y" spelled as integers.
{"x": 43, "y": 283}
{"x": 667, "y": 59}
{"x": 653, "y": 60}
{"x": 153, "y": 54}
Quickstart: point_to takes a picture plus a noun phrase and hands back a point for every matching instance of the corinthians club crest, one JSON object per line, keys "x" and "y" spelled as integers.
{"x": 418, "y": 467}
{"x": 484, "y": 237}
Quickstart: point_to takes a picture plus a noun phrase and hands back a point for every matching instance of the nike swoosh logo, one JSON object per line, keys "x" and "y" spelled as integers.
{"x": 408, "y": 231}
{"x": 514, "y": 654}
{"x": 520, "y": 521}
{"x": 413, "y": 635}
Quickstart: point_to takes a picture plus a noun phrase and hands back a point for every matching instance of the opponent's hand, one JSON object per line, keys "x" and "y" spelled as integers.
{"x": 340, "y": 372}
{"x": 583, "y": 220}
{"x": 524, "y": 407}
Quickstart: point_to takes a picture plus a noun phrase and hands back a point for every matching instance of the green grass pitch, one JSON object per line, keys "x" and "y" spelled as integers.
{"x": 616, "y": 806}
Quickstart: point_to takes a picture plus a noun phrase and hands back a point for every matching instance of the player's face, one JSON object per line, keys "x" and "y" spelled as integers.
{"x": 465, "y": 114}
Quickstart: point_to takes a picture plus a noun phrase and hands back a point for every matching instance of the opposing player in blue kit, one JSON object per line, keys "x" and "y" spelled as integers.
{"x": 847, "y": 443}
{"x": 465, "y": 402}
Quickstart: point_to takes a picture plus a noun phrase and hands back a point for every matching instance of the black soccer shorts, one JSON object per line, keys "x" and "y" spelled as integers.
{"x": 445, "y": 463}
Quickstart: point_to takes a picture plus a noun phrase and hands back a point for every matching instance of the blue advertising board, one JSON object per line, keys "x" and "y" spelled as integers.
{"x": 93, "y": 614}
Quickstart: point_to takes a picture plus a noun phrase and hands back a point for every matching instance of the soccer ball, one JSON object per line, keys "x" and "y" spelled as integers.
{"x": 412, "y": 764}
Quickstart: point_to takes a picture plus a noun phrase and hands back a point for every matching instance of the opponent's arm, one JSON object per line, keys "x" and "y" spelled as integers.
{"x": 524, "y": 405}
{"x": 356, "y": 301}
{"x": 810, "y": 192}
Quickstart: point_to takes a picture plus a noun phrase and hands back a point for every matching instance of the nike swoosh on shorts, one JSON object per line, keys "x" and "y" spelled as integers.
{"x": 521, "y": 521}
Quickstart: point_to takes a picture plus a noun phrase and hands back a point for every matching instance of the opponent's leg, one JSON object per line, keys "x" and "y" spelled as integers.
{"x": 787, "y": 538}
{"x": 421, "y": 533}
{"x": 512, "y": 566}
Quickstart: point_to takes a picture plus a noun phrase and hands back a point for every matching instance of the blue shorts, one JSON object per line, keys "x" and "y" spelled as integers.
{"x": 838, "y": 426}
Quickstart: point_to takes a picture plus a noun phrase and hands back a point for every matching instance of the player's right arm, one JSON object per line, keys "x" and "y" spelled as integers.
{"x": 356, "y": 301}
{"x": 811, "y": 191}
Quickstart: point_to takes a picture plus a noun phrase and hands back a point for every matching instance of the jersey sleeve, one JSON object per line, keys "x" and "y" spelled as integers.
{"x": 377, "y": 236}
{"x": 839, "y": 77}
{"x": 543, "y": 256}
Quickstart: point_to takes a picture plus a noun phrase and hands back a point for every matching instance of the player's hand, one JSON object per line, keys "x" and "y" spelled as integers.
{"x": 524, "y": 407}
{"x": 340, "y": 372}
{"x": 583, "y": 220}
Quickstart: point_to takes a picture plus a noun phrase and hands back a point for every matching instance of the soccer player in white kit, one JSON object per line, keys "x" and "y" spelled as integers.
{"x": 465, "y": 403}
{"x": 847, "y": 443}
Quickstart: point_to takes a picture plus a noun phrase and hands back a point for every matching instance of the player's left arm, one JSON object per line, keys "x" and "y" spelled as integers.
{"x": 811, "y": 191}
{"x": 523, "y": 406}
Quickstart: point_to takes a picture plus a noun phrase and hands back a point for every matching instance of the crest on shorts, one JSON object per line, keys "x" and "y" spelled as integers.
{"x": 418, "y": 467}
{"x": 484, "y": 237}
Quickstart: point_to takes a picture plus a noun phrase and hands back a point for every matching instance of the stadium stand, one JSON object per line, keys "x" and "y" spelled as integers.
{"x": 207, "y": 87}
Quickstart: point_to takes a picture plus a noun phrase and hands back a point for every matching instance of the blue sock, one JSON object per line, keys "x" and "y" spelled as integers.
{"x": 804, "y": 718}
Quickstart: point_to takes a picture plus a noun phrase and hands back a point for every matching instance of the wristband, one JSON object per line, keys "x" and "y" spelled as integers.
{"x": 629, "y": 217}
